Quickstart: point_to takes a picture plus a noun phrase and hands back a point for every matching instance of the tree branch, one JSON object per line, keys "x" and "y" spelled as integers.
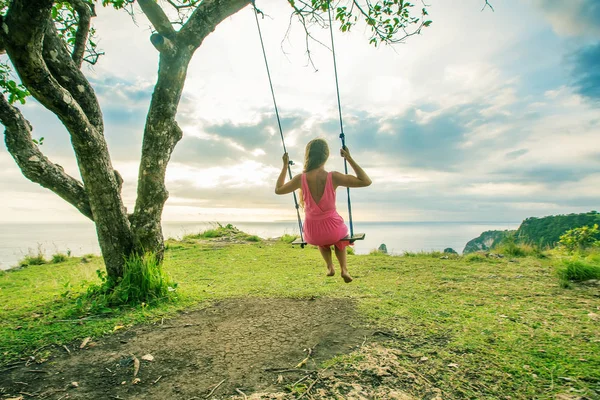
{"x": 157, "y": 17}
{"x": 35, "y": 166}
{"x": 487, "y": 4}
{"x": 205, "y": 19}
{"x": 83, "y": 29}
{"x": 69, "y": 76}
{"x": 25, "y": 27}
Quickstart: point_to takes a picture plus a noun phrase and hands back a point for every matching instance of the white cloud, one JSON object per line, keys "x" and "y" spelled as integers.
{"x": 573, "y": 17}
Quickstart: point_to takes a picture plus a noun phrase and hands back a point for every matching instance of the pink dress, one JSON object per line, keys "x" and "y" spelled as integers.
{"x": 323, "y": 226}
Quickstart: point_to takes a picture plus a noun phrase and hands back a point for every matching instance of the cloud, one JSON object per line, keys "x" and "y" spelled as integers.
{"x": 572, "y": 18}
{"x": 516, "y": 154}
{"x": 586, "y": 70}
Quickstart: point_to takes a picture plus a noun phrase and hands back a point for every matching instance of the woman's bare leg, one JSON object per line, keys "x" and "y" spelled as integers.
{"x": 341, "y": 256}
{"x": 326, "y": 253}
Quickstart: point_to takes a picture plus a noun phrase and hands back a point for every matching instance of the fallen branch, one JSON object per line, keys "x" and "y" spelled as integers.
{"x": 242, "y": 393}
{"x": 301, "y": 379}
{"x": 287, "y": 370}
{"x": 310, "y": 387}
{"x": 156, "y": 381}
{"x": 216, "y": 387}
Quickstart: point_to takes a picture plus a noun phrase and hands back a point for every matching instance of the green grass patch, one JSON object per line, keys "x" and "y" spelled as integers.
{"x": 32, "y": 260}
{"x": 58, "y": 258}
{"x": 508, "y": 326}
{"x": 577, "y": 270}
{"x": 475, "y": 257}
{"x": 425, "y": 254}
{"x": 287, "y": 238}
{"x": 223, "y": 231}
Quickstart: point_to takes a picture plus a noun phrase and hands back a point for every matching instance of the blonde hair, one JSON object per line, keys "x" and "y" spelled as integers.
{"x": 316, "y": 154}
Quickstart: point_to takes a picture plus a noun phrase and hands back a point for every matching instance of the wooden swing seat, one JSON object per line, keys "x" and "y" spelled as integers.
{"x": 351, "y": 239}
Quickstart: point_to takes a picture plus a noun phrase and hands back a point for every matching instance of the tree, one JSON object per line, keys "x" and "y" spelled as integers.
{"x": 48, "y": 41}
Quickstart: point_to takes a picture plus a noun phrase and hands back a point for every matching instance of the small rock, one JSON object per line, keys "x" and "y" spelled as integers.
{"x": 136, "y": 381}
{"x": 74, "y": 385}
{"x": 148, "y": 357}
{"x": 124, "y": 382}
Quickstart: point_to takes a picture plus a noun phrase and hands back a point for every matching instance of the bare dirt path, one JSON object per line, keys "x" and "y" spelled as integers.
{"x": 235, "y": 342}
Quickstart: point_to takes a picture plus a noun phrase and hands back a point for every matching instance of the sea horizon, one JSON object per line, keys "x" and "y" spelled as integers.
{"x": 19, "y": 239}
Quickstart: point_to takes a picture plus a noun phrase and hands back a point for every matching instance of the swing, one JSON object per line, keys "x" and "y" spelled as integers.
{"x": 352, "y": 237}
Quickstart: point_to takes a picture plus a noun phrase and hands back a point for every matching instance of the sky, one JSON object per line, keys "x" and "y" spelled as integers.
{"x": 485, "y": 116}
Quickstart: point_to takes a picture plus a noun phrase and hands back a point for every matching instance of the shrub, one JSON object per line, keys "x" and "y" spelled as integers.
{"x": 580, "y": 238}
{"x": 475, "y": 257}
{"x": 143, "y": 281}
{"x": 577, "y": 271}
{"x": 509, "y": 247}
{"x": 252, "y": 238}
{"x": 31, "y": 259}
{"x": 58, "y": 258}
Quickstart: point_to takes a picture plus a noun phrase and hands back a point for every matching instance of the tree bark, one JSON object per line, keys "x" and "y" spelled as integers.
{"x": 34, "y": 165}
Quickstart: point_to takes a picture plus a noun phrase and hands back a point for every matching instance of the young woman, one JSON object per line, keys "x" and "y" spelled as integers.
{"x": 323, "y": 226}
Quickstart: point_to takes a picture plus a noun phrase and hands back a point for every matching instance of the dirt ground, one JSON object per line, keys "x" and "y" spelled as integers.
{"x": 248, "y": 346}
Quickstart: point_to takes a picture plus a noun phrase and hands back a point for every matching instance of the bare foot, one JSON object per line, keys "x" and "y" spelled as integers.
{"x": 330, "y": 271}
{"x": 347, "y": 277}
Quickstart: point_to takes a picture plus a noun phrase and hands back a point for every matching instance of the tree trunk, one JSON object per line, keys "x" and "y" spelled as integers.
{"x": 161, "y": 134}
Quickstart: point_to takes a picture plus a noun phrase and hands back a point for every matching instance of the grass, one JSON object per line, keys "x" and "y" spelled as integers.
{"x": 58, "y": 258}
{"x": 287, "y": 238}
{"x": 228, "y": 231}
{"x": 509, "y": 326}
{"x": 512, "y": 249}
{"x": 577, "y": 270}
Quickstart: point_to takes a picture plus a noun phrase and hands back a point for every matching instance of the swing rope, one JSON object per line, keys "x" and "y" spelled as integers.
{"x": 342, "y": 136}
{"x": 262, "y": 44}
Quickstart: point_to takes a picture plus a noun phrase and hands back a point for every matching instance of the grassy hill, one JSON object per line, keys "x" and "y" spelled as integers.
{"x": 466, "y": 327}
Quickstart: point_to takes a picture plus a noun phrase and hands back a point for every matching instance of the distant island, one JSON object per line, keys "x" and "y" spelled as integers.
{"x": 543, "y": 232}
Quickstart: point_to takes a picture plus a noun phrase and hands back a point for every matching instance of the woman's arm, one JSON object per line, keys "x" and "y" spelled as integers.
{"x": 360, "y": 180}
{"x": 284, "y": 188}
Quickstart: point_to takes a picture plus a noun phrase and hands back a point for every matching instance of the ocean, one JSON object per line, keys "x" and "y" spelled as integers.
{"x": 19, "y": 240}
